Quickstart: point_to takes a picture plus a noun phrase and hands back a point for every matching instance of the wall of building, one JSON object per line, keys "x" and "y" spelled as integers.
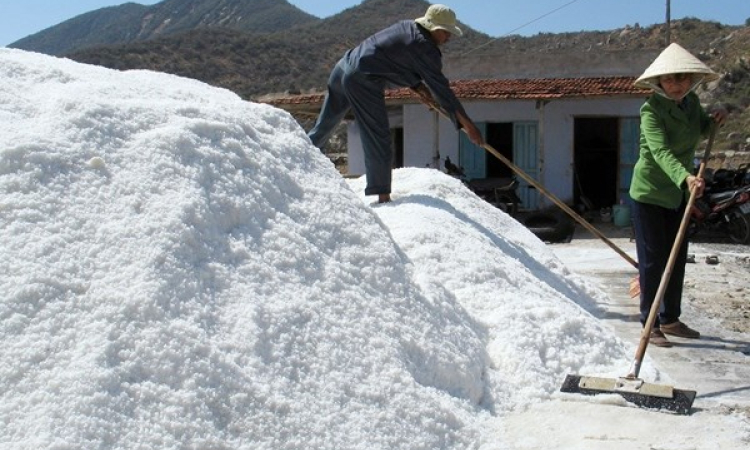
{"x": 556, "y": 119}
{"x": 558, "y": 138}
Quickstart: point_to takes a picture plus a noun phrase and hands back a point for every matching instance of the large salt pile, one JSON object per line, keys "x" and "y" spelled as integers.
{"x": 181, "y": 266}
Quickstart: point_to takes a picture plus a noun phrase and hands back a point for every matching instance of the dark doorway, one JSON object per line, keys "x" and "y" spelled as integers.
{"x": 500, "y": 137}
{"x": 595, "y": 162}
{"x": 397, "y": 142}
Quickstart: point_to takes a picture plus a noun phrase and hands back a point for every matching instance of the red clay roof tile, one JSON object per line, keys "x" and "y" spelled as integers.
{"x": 507, "y": 89}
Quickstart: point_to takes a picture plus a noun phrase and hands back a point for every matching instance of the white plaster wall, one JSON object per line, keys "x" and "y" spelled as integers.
{"x": 501, "y": 110}
{"x": 423, "y": 130}
{"x": 557, "y": 135}
{"x": 420, "y": 135}
{"x": 428, "y": 135}
{"x": 555, "y": 127}
{"x": 356, "y": 156}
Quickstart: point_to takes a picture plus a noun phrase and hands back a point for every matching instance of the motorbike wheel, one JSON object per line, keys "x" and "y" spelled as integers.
{"x": 738, "y": 227}
{"x": 509, "y": 207}
{"x": 550, "y": 226}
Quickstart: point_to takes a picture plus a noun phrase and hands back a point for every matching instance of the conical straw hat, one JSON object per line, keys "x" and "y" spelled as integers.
{"x": 675, "y": 59}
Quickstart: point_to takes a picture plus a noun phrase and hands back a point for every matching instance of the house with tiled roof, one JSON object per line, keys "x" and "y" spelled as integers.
{"x": 578, "y": 137}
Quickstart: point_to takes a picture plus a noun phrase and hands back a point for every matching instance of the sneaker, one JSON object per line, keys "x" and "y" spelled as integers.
{"x": 658, "y": 339}
{"x": 679, "y": 329}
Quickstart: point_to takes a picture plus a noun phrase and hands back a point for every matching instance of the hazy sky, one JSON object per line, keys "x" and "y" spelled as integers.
{"x": 21, "y": 18}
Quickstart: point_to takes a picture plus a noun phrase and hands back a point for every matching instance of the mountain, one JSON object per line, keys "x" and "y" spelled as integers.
{"x": 254, "y": 64}
{"x": 130, "y": 22}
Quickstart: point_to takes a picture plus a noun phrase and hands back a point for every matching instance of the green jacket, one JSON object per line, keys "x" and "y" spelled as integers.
{"x": 669, "y": 137}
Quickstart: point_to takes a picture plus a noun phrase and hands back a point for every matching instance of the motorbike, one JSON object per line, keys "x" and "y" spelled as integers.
{"x": 723, "y": 211}
{"x": 724, "y": 179}
{"x": 549, "y": 226}
{"x": 501, "y": 193}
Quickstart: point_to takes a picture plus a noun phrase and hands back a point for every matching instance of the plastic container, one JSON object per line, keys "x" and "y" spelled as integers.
{"x": 621, "y": 215}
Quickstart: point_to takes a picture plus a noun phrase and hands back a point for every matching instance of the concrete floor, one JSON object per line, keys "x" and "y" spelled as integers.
{"x": 717, "y": 366}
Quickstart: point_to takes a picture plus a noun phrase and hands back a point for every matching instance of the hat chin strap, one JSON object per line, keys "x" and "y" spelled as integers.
{"x": 653, "y": 83}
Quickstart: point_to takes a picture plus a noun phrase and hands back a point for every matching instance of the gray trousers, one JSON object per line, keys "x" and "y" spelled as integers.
{"x": 364, "y": 95}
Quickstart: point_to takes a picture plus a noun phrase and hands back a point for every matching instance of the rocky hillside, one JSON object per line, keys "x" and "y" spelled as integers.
{"x": 254, "y": 64}
{"x": 726, "y": 49}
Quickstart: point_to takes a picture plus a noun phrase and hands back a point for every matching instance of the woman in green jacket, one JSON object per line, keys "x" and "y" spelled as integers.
{"x": 672, "y": 124}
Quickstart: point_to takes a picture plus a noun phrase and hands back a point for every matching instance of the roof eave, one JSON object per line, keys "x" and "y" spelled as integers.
{"x": 495, "y": 90}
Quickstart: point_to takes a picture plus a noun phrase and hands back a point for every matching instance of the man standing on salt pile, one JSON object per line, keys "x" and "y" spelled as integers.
{"x": 406, "y": 54}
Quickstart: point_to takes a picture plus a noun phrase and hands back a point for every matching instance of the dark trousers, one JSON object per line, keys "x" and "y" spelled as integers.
{"x": 655, "y": 232}
{"x": 364, "y": 95}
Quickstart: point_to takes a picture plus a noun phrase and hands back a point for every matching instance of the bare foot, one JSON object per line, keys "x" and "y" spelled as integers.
{"x": 384, "y": 198}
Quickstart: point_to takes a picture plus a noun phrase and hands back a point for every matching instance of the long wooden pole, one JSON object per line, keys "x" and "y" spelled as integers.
{"x": 669, "y": 23}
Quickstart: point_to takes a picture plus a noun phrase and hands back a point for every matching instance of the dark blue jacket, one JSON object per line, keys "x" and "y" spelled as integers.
{"x": 404, "y": 55}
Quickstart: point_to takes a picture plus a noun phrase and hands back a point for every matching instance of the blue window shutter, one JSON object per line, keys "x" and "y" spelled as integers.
{"x": 526, "y": 157}
{"x": 473, "y": 159}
